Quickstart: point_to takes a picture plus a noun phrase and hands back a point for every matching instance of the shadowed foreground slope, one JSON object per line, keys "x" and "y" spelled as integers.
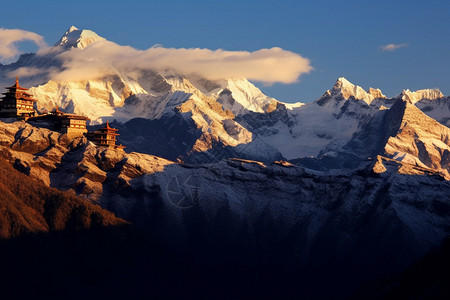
{"x": 29, "y": 206}
{"x": 428, "y": 278}
{"x": 55, "y": 245}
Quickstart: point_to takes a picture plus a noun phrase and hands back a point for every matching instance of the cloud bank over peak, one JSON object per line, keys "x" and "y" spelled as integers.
{"x": 101, "y": 57}
{"x": 266, "y": 65}
{"x": 9, "y": 38}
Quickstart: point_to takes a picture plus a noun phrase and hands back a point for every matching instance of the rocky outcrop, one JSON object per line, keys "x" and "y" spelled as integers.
{"x": 76, "y": 165}
{"x": 417, "y": 138}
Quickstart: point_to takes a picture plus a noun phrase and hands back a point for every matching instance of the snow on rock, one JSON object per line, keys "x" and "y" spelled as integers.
{"x": 438, "y": 109}
{"x": 343, "y": 90}
{"x": 216, "y": 124}
{"x": 241, "y": 96}
{"x": 229, "y": 113}
{"x": 376, "y": 93}
{"x": 315, "y": 128}
{"x": 77, "y": 38}
{"x": 403, "y": 133}
{"x": 359, "y": 214}
{"x": 419, "y": 140}
{"x": 76, "y": 165}
{"x": 292, "y": 106}
{"x": 95, "y": 99}
{"x": 428, "y": 94}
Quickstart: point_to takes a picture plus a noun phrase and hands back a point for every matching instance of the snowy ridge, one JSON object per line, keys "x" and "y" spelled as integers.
{"x": 96, "y": 99}
{"x": 232, "y": 115}
{"x": 76, "y": 38}
{"x": 426, "y": 94}
{"x": 420, "y": 140}
{"x": 438, "y": 109}
{"x": 317, "y": 128}
{"x": 241, "y": 96}
{"x": 403, "y": 133}
{"x": 343, "y": 90}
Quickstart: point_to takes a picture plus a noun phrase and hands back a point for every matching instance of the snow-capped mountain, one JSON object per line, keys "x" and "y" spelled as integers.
{"x": 205, "y": 172}
{"x": 221, "y": 118}
{"x": 419, "y": 139}
{"x": 316, "y": 128}
{"x": 155, "y": 95}
{"x": 426, "y": 94}
{"x": 403, "y": 133}
{"x": 241, "y": 96}
{"x": 76, "y": 38}
{"x": 438, "y": 109}
{"x": 343, "y": 90}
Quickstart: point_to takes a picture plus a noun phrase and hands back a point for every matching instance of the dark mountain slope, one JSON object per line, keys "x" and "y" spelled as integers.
{"x": 56, "y": 245}
{"x": 428, "y": 278}
{"x": 29, "y": 206}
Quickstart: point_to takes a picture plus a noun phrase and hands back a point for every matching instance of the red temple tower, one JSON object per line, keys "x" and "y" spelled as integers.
{"x": 105, "y": 137}
{"x": 16, "y": 102}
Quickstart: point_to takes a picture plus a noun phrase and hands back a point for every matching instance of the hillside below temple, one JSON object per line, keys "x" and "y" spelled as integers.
{"x": 105, "y": 137}
{"x": 17, "y": 103}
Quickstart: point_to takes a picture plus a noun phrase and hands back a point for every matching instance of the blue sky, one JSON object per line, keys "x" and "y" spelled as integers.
{"x": 341, "y": 38}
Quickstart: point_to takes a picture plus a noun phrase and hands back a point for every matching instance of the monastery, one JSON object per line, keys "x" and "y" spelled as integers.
{"x": 18, "y": 103}
{"x": 105, "y": 137}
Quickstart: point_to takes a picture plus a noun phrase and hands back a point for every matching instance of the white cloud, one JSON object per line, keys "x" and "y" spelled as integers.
{"x": 392, "y": 47}
{"x": 26, "y": 72}
{"x": 104, "y": 57}
{"x": 265, "y": 65}
{"x": 9, "y": 38}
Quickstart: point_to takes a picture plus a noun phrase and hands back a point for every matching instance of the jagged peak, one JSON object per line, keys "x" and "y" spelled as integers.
{"x": 428, "y": 94}
{"x": 376, "y": 93}
{"x": 344, "y": 89}
{"x": 407, "y": 112}
{"x": 72, "y": 28}
{"x": 342, "y": 81}
{"x": 77, "y": 38}
{"x": 342, "y": 85}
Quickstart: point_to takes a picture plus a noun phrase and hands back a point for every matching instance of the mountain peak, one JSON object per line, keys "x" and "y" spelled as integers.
{"x": 376, "y": 93}
{"x": 76, "y": 38}
{"x": 72, "y": 28}
{"x": 342, "y": 85}
{"x": 342, "y": 81}
{"x": 343, "y": 90}
{"x": 347, "y": 89}
{"x": 416, "y": 138}
{"x": 428, "y": 94}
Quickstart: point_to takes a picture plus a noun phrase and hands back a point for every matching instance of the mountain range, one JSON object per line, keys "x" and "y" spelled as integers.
{"x": 202, "y": 120}
{"x": 332, "y": 193}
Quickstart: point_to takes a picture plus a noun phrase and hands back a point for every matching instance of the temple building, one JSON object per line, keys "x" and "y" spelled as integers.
{"x": 71, "y": 124}
{"x": 17, "y": 103}
{"x": 105, "y": 137}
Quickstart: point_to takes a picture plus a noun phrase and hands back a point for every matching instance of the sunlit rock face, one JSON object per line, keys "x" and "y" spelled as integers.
{"x": 426, "y": 94}
{"x": 376, "y": 93}
{"x": 223, "y": 118}
{"x": 76, "y": 38}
